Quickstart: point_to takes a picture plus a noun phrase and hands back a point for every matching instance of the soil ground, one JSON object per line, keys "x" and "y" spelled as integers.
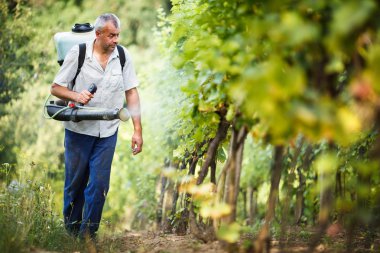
{"x": 158, "y": 242}
{"x": 144, "y": 242}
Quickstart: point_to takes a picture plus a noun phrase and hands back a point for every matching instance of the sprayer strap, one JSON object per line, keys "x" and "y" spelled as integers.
{"x": 121, "y": 56}
{"x": 82, "y": 54}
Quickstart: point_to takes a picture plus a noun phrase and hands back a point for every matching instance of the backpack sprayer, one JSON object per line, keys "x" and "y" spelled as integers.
{"x": 60, "y": 110}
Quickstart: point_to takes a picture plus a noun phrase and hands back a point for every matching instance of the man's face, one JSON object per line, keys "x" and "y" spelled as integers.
{"x": 108, "y": 37}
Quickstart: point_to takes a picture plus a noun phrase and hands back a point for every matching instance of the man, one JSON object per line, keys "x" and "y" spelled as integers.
{"x": 90, "y": 145}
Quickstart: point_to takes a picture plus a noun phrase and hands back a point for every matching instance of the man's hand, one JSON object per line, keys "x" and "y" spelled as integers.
{"x": 64, "y": 93}
{"x": 133, "y": 102}
{"x": 137, "y": 142}
{"x": 84, "y": 97}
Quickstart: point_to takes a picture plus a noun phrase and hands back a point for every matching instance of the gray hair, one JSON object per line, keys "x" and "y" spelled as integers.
{"x": 104, "y": 18}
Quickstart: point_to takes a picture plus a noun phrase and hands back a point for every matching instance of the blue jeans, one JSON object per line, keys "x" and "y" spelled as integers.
{"x": 88, "y": 162}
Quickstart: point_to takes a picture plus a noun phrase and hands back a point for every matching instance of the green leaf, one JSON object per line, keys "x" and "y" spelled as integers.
{"x": 229, "y": 233}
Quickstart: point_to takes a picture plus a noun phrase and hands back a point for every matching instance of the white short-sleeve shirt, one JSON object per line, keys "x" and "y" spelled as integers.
{"x": 111, "y": 86}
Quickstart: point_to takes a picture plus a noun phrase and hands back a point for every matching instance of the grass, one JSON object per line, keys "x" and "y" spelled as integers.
{"x": 28, "y": 220}
{"x": 26, "y": 216}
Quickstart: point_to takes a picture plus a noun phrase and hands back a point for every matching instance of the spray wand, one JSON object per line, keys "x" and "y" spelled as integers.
{"x": 75, "y": 113}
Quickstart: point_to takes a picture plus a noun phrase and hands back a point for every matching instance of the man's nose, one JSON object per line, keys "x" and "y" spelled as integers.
{"x": 116, "y": 39}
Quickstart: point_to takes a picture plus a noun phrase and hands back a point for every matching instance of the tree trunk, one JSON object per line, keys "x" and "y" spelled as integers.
{"x": 262, "y": 244}
{"x": 168, "y": 206}
{"x": 134, "y": 28}
{"x": 245, "y": 207}
{"x": 300, "y": 201}
{"x": 288, "y": 187}
{"x": 193, "y": 165}
{"x": 339, "y": 193}
{"x": 232, "y": 178}
{"x": 174, "y": 202}
{"x": 234, "y": 171}
{"x": 183, "y": 221}
{"x": 213, "y": 172}
{"x": 252, "y": 204}
{"x": 220, "y": 188}
{"x": 160, "y": 206}
{"x": 326, "y": 202}
{"x": 213, "y": 148}
{"x": 159, "y": 212}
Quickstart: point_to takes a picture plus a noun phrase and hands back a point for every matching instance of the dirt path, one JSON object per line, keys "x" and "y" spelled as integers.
{"x": 154, "y": 242}
{"x": 144, "y": 242}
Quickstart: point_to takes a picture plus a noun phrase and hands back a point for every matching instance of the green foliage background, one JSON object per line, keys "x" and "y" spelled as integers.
{"x": 283, "y": 69}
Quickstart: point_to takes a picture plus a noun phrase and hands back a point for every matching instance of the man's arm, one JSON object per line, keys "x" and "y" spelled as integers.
{"x": 133, "y": 104}
{"x": 64, "y": 93}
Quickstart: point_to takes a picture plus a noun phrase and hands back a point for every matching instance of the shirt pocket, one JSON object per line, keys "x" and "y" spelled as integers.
{"x": 115, "y": 81}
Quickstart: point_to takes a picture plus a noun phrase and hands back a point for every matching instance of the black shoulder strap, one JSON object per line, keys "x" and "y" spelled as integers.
{"x": 121, "y": 56}
{"x": 81, "y": 56}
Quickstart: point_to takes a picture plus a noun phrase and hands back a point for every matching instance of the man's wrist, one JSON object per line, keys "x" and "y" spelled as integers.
{"x": 74, "y": 96}
{"x": 138, "y": 130}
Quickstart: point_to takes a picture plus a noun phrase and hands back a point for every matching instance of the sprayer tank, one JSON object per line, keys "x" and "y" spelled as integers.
{"x": 64, "y": 41}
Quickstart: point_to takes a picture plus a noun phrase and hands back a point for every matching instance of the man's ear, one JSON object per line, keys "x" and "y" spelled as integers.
{"x": 97, "y": 33}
